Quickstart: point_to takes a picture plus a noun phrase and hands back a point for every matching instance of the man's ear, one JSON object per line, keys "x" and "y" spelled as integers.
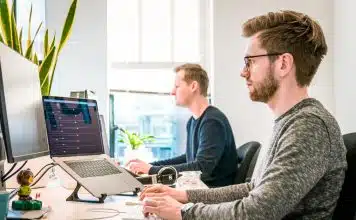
{"x": 194, "y": 86}
{"x": 286, "y": 64}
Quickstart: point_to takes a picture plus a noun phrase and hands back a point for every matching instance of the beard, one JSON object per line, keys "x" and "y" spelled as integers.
{"x": 263, "y": 91}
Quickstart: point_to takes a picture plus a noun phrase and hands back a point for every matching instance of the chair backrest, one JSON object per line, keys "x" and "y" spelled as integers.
{"x": 245, "y": 154}
{"x": 346, "y": 205}
{"x": 252, "y": 165}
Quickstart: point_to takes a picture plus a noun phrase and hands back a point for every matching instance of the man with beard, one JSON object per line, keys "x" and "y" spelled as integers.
{"x": 210, "y": 146}
{"x": 300, "y": 174}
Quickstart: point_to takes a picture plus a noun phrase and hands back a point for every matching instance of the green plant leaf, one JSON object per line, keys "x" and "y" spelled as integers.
{"x": 44, "y": 71}
{"x": 53, "y": 42}
{"x": 1, "y": 40}
{"x": 134, "y": 140}
{"x": 28, "y": 54}
{"x": 48, "y": 83}
{"x": 14, "y": 33}
{"x": 147, "y": 138}
{"x": 45, "y": 44}
{"x": 67, "y": 29}
{"x": 52, "y": 72}
{"x": 35, "y": 59}
{"x": 5, "y": 23}
{"x": 20, "y": 41}
{"x": 29, "y": 29}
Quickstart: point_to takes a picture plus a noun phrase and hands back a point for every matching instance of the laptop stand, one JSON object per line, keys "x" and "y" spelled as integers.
{"x": 74, "y": 196}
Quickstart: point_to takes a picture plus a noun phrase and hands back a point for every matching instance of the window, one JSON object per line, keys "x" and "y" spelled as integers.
{"x": 146, "y": 40}
{"x": 156, "y": 33}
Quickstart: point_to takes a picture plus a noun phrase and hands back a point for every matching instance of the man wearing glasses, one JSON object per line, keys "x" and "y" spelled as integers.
{"x": 300, "y": 174}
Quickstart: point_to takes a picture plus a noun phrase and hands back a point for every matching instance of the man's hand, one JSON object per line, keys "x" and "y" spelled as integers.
{"x": 138, "y": 166}
{"x": 165, "y": 207}
{"x": 159, "y": 190}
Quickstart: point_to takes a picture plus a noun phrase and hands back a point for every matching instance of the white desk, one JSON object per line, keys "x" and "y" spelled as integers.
{"x": 55, "y": 197}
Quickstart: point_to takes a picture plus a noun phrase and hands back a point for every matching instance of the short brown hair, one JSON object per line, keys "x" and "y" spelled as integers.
{"x": 194, "y": 72}
{"x": 291, "y": 32}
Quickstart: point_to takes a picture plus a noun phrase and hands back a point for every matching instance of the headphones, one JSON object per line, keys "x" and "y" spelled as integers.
{"x": 166, "y": 175}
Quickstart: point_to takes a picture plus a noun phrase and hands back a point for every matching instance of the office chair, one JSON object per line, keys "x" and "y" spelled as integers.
{"x": 246, "y": 160}
{"x": 346, "y": 205}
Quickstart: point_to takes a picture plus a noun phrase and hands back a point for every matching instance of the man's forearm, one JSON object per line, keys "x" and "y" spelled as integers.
{"x": 179, "y": 167}
{"x": 212, "y": 212}
{"x": 218, "y": 195}
{"x": 157, "y": 165}
{"x": 175, "y": 160}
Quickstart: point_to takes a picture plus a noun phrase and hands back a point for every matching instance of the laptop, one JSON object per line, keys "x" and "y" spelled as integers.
{"x": 104, "y": 136}
{"x": 76, "y": 145}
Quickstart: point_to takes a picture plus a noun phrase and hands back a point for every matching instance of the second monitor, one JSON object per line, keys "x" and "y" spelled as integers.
{"x": 21, "y": 112}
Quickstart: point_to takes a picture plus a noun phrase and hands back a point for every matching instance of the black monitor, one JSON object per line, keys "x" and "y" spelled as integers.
{"x": 21, "y": 111}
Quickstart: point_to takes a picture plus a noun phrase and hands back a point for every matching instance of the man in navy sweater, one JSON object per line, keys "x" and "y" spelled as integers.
{"x": 211, "y": 146}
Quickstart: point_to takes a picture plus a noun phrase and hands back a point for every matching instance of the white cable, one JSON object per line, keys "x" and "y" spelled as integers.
{"x": 115, "y": 213}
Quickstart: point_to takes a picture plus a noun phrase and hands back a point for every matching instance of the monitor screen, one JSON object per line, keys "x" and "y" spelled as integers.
{"x": 73, "y": 126}
{"x": 21, "y": 111}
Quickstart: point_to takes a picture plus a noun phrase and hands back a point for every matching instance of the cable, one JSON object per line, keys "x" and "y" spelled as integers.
{"x": 39, "y": 178}
{"x": 103, "y": 210}
{"x": 13, "y": 192}
{"x": 4, "y": 180}
{"x": 8, "y": 172}
{"x": 43, "y": 168}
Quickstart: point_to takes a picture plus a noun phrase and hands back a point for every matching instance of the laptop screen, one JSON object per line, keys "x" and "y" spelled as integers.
{"x": 73, "y": 126}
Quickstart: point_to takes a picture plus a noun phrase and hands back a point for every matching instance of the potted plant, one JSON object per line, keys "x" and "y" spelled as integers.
{"x": 11, "y": 36}
{"x": 135, "y": 145}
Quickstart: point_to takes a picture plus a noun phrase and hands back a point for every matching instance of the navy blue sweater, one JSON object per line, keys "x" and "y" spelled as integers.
{"x": 210, "y": 148}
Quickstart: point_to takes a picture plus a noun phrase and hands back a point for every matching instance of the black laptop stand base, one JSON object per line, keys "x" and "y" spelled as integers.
{"x": 75, "y": 198}
{"x": 134, "y": 193}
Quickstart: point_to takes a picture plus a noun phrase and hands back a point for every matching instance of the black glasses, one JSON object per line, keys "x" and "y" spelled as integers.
{"x": 248, "y": 61}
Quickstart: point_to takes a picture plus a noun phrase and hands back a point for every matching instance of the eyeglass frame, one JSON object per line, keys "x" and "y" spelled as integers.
{"x": 247, "y": 58}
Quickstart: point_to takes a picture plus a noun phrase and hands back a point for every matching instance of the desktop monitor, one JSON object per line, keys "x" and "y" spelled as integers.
{"x": 23, "y": 125}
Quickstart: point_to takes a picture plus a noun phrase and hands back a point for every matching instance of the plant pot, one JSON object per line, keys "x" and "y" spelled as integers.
{"x": 143, "y": 153}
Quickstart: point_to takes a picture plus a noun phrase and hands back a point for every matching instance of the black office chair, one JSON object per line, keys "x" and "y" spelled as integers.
{"x": 346, "y": 205}
{"x": 246, "y": 160}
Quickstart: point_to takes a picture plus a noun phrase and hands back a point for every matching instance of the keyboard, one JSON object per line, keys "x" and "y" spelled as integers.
{"x": 92, "y": 168}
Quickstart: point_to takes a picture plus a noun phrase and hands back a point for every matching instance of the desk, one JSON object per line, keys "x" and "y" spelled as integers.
{"x": 55, "y": 197}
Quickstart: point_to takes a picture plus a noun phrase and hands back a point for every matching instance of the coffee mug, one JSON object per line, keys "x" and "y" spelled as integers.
{"x": 4, "y": 204}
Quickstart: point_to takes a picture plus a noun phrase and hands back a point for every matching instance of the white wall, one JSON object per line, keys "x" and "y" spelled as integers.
{"x": 82, "y": 63}
{"x": 345, "y": 57}
{"x": 254, "y": 121}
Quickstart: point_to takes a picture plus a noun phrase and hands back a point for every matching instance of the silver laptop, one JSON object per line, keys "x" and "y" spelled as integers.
{"x": 75, "y": 143}
{"x": 104, "y": 136}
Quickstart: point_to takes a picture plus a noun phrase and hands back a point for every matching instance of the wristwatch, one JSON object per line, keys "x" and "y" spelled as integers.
{"x": 185, "y": 208}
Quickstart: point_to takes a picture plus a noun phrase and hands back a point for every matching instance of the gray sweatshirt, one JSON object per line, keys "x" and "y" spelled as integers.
{"x": 298, "y": 176}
